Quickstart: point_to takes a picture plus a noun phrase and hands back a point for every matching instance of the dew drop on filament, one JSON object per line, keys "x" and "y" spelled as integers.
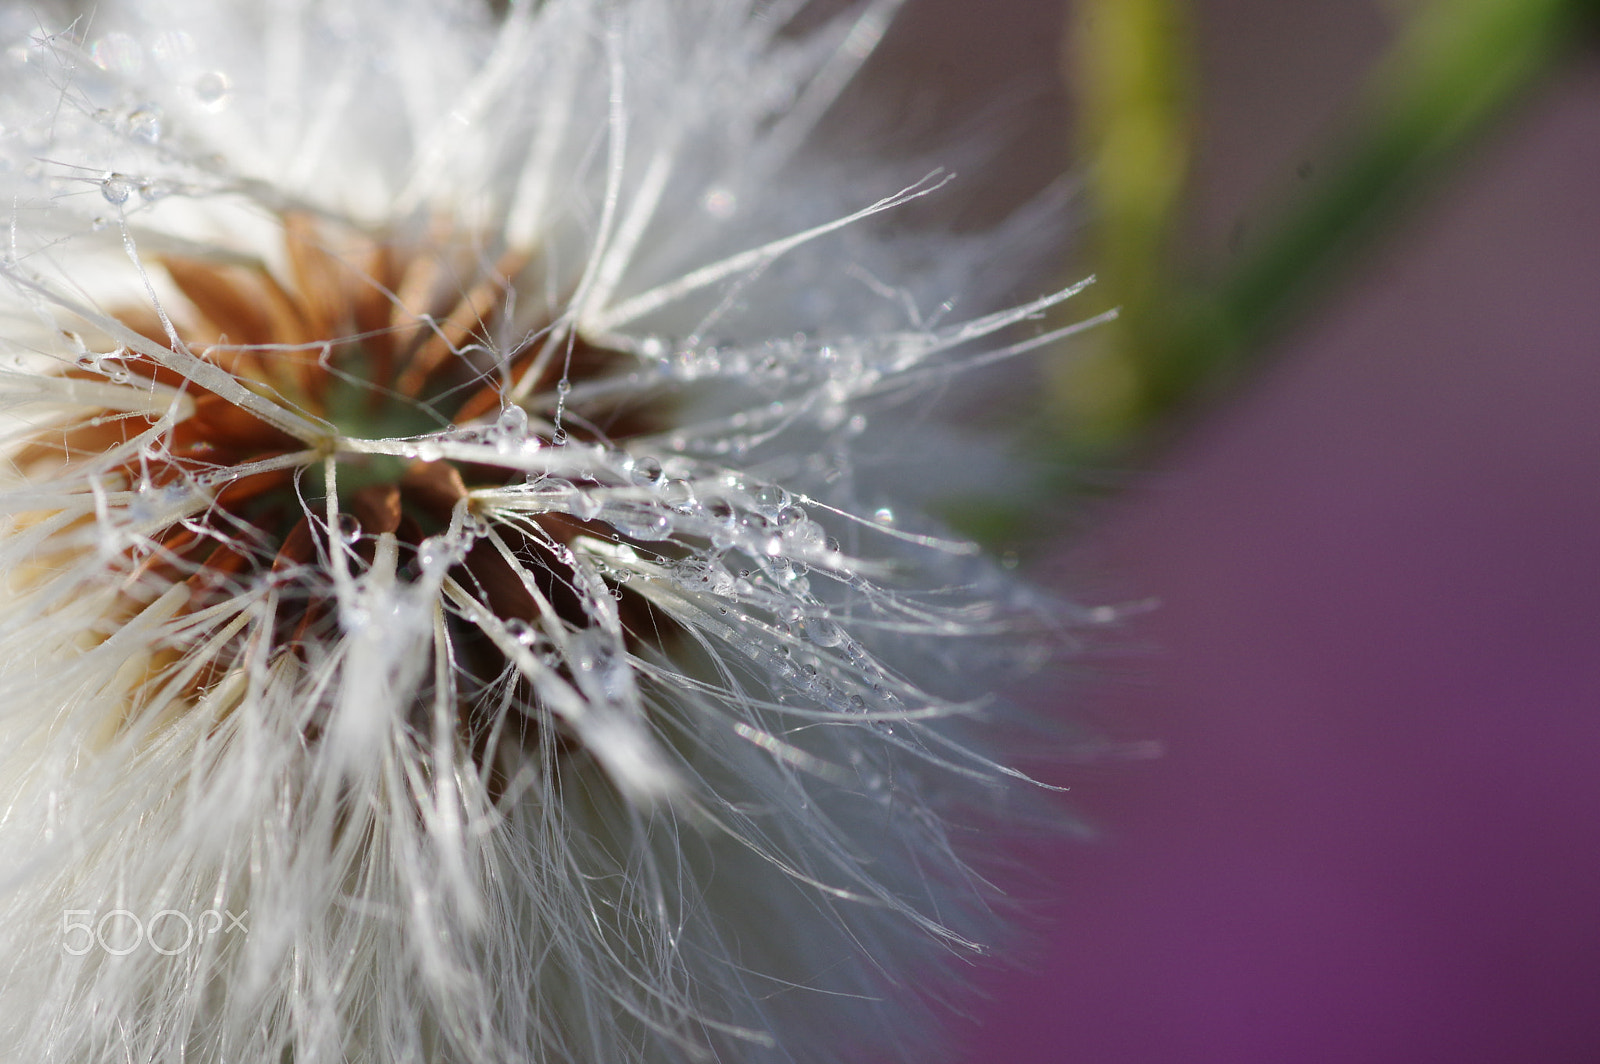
{"x": 823, "y": 632}
{"x": 646, "y": 472}
{"x": 116, "y": 188}
{"x": 521, "y": 631}
{"x": 513, "y": 421}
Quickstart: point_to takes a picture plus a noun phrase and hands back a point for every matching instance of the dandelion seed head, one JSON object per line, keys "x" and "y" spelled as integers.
{"x": 432, "y": 528}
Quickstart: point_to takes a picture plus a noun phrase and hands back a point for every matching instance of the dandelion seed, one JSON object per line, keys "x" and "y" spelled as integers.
{"x": 437, "y": 625}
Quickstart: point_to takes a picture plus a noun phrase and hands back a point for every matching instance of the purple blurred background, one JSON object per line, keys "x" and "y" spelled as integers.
{"x": 1375, "y": 672}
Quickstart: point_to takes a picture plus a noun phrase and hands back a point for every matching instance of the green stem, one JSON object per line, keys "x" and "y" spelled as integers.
{"x": 1455, "y": 70}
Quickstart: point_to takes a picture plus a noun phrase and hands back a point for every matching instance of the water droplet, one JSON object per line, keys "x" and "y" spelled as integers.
{"x": 719, "y": 202}
{"x": 98, "y": 223}
{"x": 116, "y": 188}
{"x": 118, "y": 53}
{"x": 144, "y": 124}
{"x": 521, "y": 631}
{"x": 429, "y": 452}
{"x": 349, "y": 528}
{"x": 646, "y": 471}
{"x": 771, "y": 497}
{"x": 803, "y": 533}
{"x": 513, "y": 420}
{"x": 823, "y": 632}
{"x": 883, "y": 515}
{"x": 211, "y": 89}
{"x": 647, "y": 525}
{"x": 677, "y": 492}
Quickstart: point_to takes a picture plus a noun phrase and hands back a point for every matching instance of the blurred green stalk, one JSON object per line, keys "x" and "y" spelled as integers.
{"x": 1129, "y": 63}
{"x": 1454, "y": 68}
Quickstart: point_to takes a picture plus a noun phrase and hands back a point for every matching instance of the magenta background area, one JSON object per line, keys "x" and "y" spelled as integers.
{"x": 1374, "y": 834}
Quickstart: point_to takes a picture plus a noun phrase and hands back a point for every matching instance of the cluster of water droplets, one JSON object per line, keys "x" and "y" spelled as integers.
{"x": 112, "y": 365}
{"x": 117, "y": 188}
{"x": 725, "y": 552}
{"x": 128, "y": 106}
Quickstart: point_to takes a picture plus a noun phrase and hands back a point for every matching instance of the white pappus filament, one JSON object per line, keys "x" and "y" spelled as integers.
{"x": 442, "y": 618}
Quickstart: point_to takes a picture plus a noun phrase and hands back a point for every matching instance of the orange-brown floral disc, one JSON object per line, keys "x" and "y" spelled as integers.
{"x": 374, "y": 337}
